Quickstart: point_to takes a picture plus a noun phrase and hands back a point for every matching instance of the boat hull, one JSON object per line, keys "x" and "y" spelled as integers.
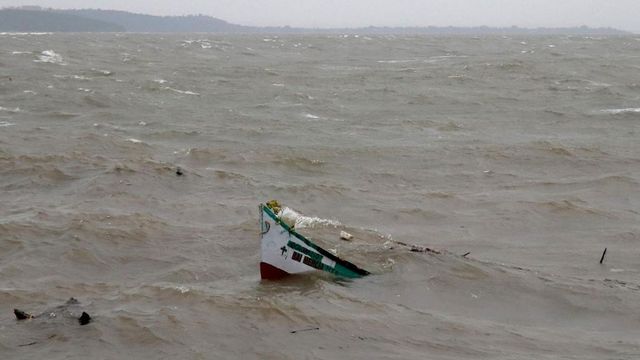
{"x": 285, "y": 252}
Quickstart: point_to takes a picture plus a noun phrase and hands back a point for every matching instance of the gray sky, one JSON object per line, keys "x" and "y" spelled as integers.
{"x": 621, "y": 14}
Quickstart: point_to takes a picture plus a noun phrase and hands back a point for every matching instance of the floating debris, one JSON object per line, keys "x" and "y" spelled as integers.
{"x": 302, "y": 330}
{"x": 603, "y": 254}
{"x": 345, "y": 236}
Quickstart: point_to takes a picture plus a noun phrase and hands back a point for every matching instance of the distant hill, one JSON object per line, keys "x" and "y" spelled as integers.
{"x": 148, "y": 23}
{"x": 36, "y": 19}
{"x": 46, "y": 21}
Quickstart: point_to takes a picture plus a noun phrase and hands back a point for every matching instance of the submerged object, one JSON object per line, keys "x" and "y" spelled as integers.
{"x": 345, "y": 236}
{"x": 286, "y": 252}
{"x": 66, "y": 310}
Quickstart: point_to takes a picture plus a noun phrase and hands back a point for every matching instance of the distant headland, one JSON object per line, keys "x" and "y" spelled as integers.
{"x": 37, "y": 19}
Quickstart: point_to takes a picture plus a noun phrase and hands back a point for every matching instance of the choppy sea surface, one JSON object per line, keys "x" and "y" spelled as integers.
{"x": 522, "y": 151}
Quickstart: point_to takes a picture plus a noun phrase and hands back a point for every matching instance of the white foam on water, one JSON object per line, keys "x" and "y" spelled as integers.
{"x": 186, "y": 92}
{"x": 103, "y": 72}
{"x": 396, "y": 61}
{"x": 5, "y": 124}
{"x": 204, "y": 43}
{"x": 11, "y": 110}
{"x": 595, "y": 83}
{"x": 182, "y": 289}
{"x": 135, "y": 141}
{"x": 278, "y": 85}
{"x": 292, "y": 217}
{"x": 160, "y": 81}
{"x": 20, "y": 52}
{"x": 75, "y": 77}
{"x": 50, "y": 56}
{"x": 25, "y": 33}
{"x": 311, "y": 116}
{"x": 621, "y": 111}
{"x": 30, "y": 92}
{"x": 85, "y": 90}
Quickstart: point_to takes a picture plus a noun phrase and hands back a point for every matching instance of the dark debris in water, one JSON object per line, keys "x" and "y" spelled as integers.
{"x": 84, "y": 319}
{"x": 303, "y": 330}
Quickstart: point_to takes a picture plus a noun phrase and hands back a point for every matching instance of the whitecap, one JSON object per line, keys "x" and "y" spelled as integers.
{"x": 160, "y": 81}
{"x": 135, "y": 141}
{"x": 102, "y": 72}
{"x": 5, "y": 124}
{"x": 278, "y": 85}
{"x": 621, "y": 111}
{"x": 50, "y": 56}
{"x": 204, "y": 43}
{"x": 20, "y": 52}
{"x": 182, "y": 289}
{"x": 300, "y": 221}
{"x": 186, "y": 92}
{"x": 11, "y": 110}
{"x": 76, "y": 77}
{"x": 396, "y": 61}
{"x": 30, "y": 92}
{"x": 25, "y": 33}
{"x": 311, "y": 116}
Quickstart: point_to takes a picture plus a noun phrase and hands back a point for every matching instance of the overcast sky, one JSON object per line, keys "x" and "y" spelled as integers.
{"x": 621, "y": 14}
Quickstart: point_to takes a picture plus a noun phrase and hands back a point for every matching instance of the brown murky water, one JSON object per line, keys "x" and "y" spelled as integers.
{"x": 522, "y": 151}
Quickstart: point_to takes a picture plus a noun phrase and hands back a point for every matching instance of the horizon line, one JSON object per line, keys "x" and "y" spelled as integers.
{"x": 323, "y": 28}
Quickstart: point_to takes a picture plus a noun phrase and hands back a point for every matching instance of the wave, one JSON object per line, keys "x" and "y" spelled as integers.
{"x": 300, "y": 163}
{"x": 208, "y": 155}
{"x": 25, "y": 33}
{"x": 51, "y": 57}
{"x": 621, "y": 111}
{"x": 25, "y": 171}
{"x": 568, "y": 207}
{"x": 185, "y": 92}
{"x": 10, "y": 110}
{"x": 299, "y": 221}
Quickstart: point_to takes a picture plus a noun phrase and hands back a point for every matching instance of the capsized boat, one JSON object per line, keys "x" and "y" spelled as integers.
{"x": 286, "y": 252}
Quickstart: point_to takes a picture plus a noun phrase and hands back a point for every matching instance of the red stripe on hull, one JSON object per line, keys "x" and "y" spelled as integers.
{"x": 270, "y": 272}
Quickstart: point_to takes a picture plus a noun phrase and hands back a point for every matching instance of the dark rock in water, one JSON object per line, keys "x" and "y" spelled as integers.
{"x": 84, "y": 318}
{"x": 179, "y": 172}
{"x": 21, "y": 315}
{"x": 65, "y": 311}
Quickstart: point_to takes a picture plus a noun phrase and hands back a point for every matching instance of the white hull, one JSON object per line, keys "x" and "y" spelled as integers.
{"x": 286, "y": 252}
